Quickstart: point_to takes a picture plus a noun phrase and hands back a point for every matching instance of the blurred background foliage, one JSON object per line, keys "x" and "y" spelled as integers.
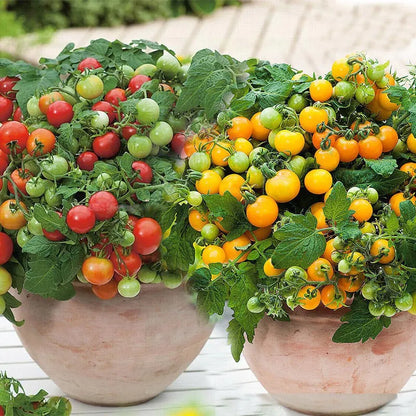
{"x": 21, "y": 16}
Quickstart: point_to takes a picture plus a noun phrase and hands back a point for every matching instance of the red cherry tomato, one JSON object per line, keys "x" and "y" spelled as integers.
{"x": 13, "y": 131}
{"x": 88, "y": 63}
{"x": 128, "y": 131}
{"x": 148, "y": 235}
{"x": 107, "y": 108}
{"x": 4, "y": 162}
{"x": 104, "y": 205}
{"x": 115, "y": 95}
{"x": 144, "y": 170}
{"x": 18, "y": 115}
{"x": 126, "y": 262}
{"x": 6, "y": 109}
{"x": 97, "y": 271}
{"x": 107, "y": 145}
{"x": 137, "y": 81}
{"x": 7, "y": 87}
{"x": 131, "y": 222}
{"x": 178, "y": 144}
{"x": 59, "y": 112}
{"x": 6, "y": 244}
{"x": 20, "y": 178}
{"x": 86, "y": 160}
{"x": 80, "y": 219}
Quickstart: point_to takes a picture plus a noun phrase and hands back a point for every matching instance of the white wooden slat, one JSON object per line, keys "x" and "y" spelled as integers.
{"x": 13, "y": 355}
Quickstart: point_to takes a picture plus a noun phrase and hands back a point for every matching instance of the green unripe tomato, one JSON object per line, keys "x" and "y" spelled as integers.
{"x": 90, "y": 87}
{"x": 369, "y": 290}
{"x": 128, "y": 287}
{"x": 161, "y": 134}
{"x": 336, "y": 256}
{"x": 271, "y": 118}
{"x": 34, "y": 226}
{"x": 404, "y": 303}
{"x": 199, "y": 161}
{"x": 146, "y": 275}
{"x": 364, "y": 94}
{"x": 36, "y": 187}
{"x": 104, "y": 181}
{"x": 146, "y": 69}
{"x": 238, "y": 162}
{"x": 194, "y": 198}
{"x": 255, "y": 177}
{"x": 257, "y": 151}
{"x": 375, "y": 72}
{"x": 210, "y": 232}
{"x": 69, "y": 94}
{"x": 99, "y": 120}
{"x": 338, "y": 243}
{"x": 344, "y": 90}
{"x": 344, "y": 266}
{"x": 294, "y": 273}
{"x": 254, "y": 305}
{"x": 120, "y": 188}
{"x": 297, "y": 102}
{"x": 32, "y": 107}
{"x": 148, "y": 111}
{"x": 51, "y": 197}
{"x": 297, "y": 164}
{"x": 127, "y": 239}
{"x": 368, "y": 228}
{"x": 376, "y": 309}
{"x": 389, "y": 311}
{"x": 81, "y": 277}
{"x": 31, "y": 166}
{"x": 168, "y": 64}
{"x": 5, "y": 280}
{"x": 177, "y": 124}
{"x": 54, "y": 167}
{"x": 171, "y": 280}
{"x": 128, "y": 71}
{"x": 23, "y": 236}
{"x": 139, "y": 146}
{"x": 372, "y": 195}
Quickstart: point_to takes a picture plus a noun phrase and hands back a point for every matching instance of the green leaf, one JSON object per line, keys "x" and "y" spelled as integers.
{"x": 41, "y": 246}
{"x": 16, "y": 269}
{"x": 242, "y": 289}
{"x": 361, "y": 325}
{"x": 384, "y": 167}
{"x": 300, "y": 243}
{"x": 181, "y": 252}
{"x": 231, "y": 211}
{"x": 11, "y": 303}
{"x": 236, "y": 338}
{"x": 348, "y": 230}
{"x": 165, "y": 99}
{"x": 244, "y": 103}
{"x": 125, "y": 163}
{"x": 212, "y": 299}
{"x": 210, "y": 80}
{"x": 49, "y": 219}
{"x": 407, "y": 210}
{"x": 367, "y": 177}
{"x": 274, "y": 93}
{"x": 43, "y": 276}
{"x": 200, "y": 279}
{"x": 337, "y": 206}
{"x": 392, "y": 223}
{"x": 201, "y": 7}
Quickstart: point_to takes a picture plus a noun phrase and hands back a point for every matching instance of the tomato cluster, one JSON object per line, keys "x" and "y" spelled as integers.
{"x": 79, "y": 169}
{"x": 287, "y": 157}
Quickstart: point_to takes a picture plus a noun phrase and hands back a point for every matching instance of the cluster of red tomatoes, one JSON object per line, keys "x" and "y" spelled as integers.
{"x": 292, "y": 150}
{"x": 33, "y": 168}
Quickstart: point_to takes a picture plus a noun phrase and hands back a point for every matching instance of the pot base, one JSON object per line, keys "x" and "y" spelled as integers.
{"x": 333, "y": 404}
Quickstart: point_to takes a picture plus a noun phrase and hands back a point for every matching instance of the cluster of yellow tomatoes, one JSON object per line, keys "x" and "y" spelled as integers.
{"x": 283, "y": 137}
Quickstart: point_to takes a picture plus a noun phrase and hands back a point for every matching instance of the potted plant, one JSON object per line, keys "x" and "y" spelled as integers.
{"x": 308, "y": 225}
{"x": 93, "y": 207}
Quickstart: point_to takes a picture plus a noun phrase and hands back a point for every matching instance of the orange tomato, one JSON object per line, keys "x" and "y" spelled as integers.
{"x": 107, "y": 291}
{"x": 270, "y": 270}
{"x": 351, "y": 283}
{"x": 220, "y": 152}
{"x": 384, "y": 101}
{"x": 329, "y": 248}
{"x": 232, "y": 183}
{"x": 370, "y": 147}
{"x": 259, "y": 234}
{"x": 320, "y": 270}
{"x": 284, "y": 186}
{"x": 317, "y": 210}
{"x": 240, "y": 127}
{"x": 320, "y": 90}
{"x": 348, "y": 149}
{"x": 197, "y": 220}
{"x": 363, "y": 209}
{"x": 213, "y": 254}
{"x": 311, "y": 117}
{"x": 209, "y": 183}
{"x": 333, "y": 298}
{"x": 327, "y": 159}
{"x": 44, "y": 139}
{"x": 318, "y": 181}
{"x": 318, "y": 137}
{"x": 381, "y": 246}
{"x": 259, "y": 131}
{"x": 263, "y": 212}
{"x": 235, "y": 248}
{"x": 309, "y": 297}
{"x": 388, "y": 137}
{"x": 396, "y": 199}
{"x": 11, "y": 217}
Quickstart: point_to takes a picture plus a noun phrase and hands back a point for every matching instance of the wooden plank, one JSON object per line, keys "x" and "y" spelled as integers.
{"x": 213, "y": 30}
{"x": 247, "y": 31}
{"x": 175, "y": 33}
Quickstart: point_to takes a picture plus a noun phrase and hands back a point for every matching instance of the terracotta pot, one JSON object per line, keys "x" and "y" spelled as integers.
{"x": 300, "y": 366}
{"x": 114, "y": 352}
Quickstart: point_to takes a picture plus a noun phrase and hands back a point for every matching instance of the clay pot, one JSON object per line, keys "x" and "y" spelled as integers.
{"x": 114, "y": 352}
{"x": 300, "y": 366}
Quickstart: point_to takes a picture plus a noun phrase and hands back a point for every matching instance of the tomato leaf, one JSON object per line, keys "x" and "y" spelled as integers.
{"x": 165, "y": 99}
{"x": 11, "y": 303}
{"x": 41, "y": 246}
{"x": 392, "y": 223}
{"x": 360, "y": 324}
{"x": 366, "y": 176}
{"x": 384, "y": 167}
{"x": 236, "y": 338}
{"x": 229, "y": 212}
{"x": 242, "y": 288}
{"x": 49, "y": 219}
{"x": 337, "y": 205}
{"x": 211, "y": 78}
{"x": 300, "y": 242}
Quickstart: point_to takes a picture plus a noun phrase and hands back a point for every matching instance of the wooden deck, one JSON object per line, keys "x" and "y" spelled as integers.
{"x": 213, "y": 380}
